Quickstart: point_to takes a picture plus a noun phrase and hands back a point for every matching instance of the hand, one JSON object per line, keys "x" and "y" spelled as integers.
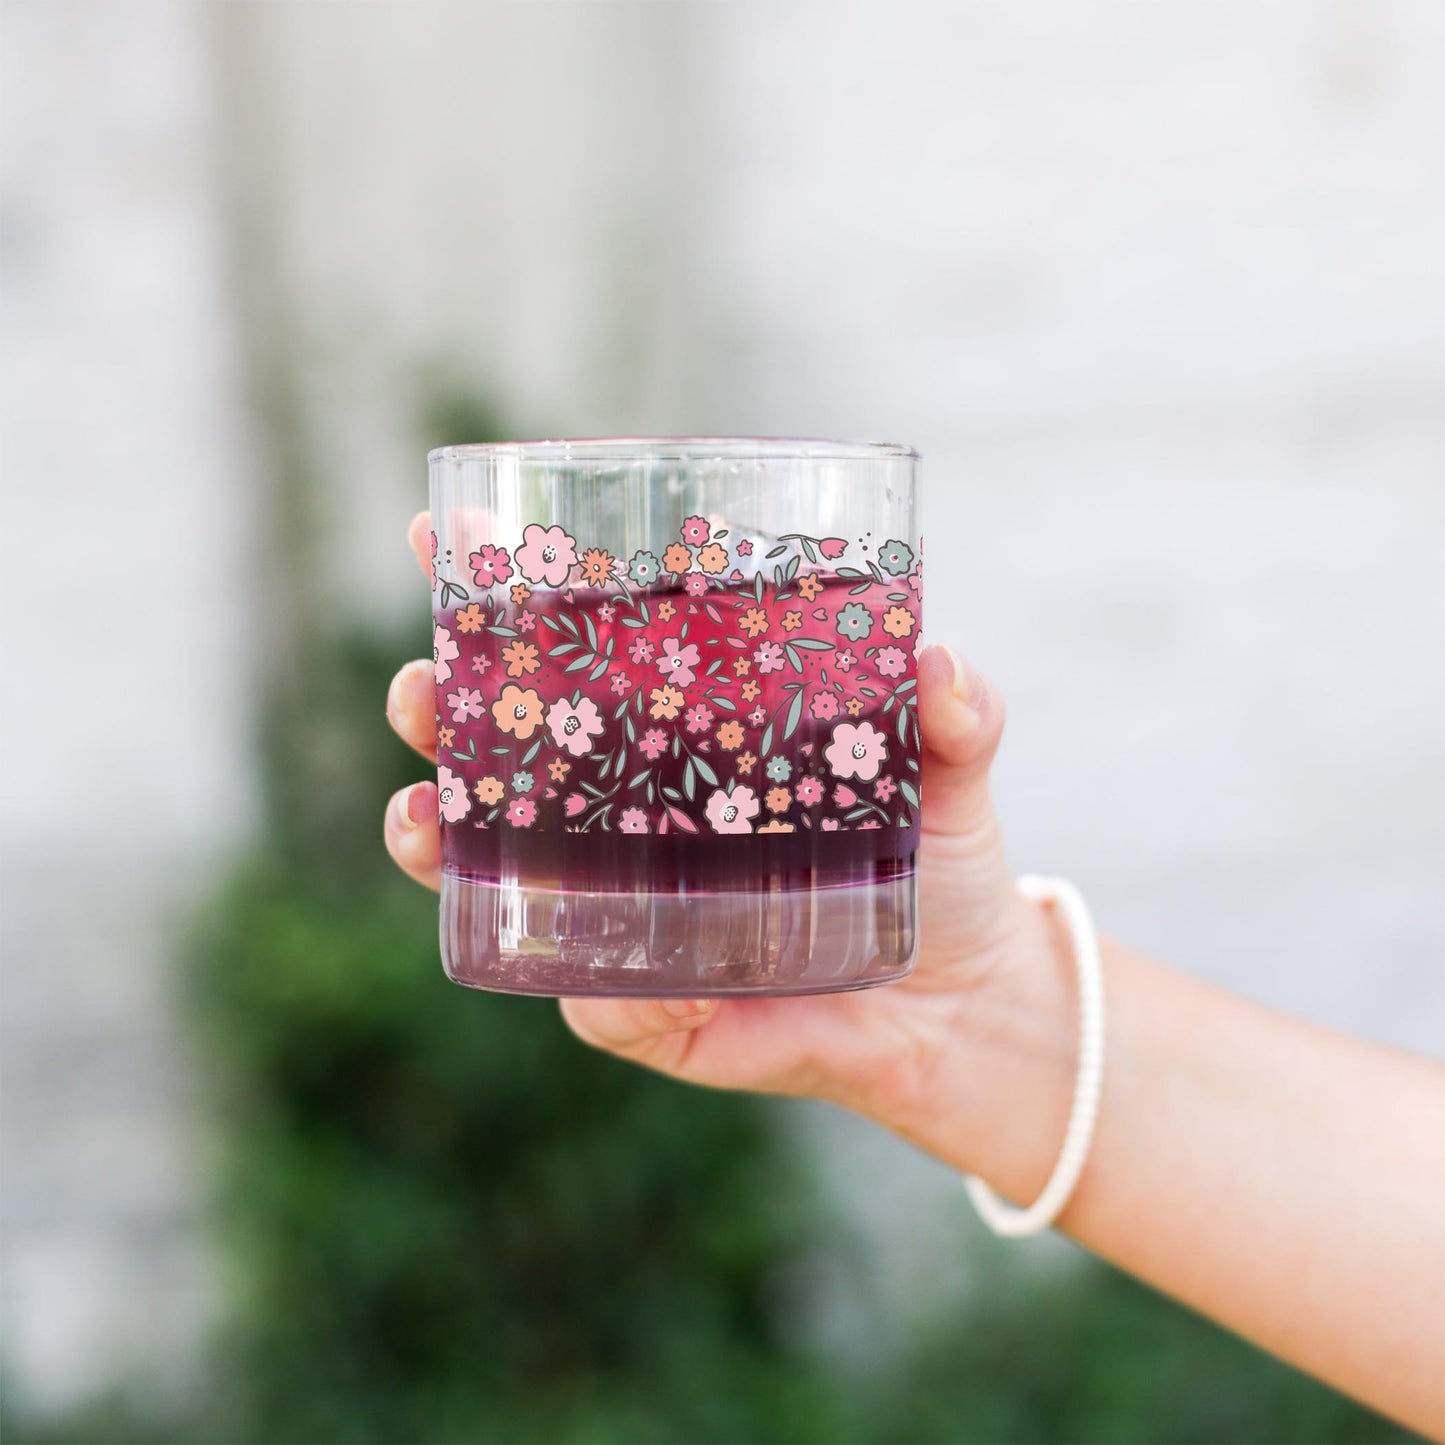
{"x": 891, "y": 1053}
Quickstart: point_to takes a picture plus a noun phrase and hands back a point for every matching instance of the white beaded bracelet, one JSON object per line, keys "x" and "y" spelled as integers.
{"x": 1003, "y": 1218}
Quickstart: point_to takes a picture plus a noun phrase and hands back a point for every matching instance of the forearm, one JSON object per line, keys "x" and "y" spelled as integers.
{"x": 1282, "y": 1179}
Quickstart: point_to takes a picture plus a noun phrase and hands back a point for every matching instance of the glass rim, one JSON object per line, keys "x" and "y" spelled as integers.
{"x": 679, "y": 449}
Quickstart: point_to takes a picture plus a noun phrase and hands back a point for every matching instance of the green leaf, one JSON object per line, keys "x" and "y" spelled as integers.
{"x": 766, "y": 746}
{"x": 503, "y": 631}
{"x": 908, "y": 790}
{"x": 794, "y": 660}
{"x": 531, "y": 752}
{"x": 689, "y": 781}
{"x": 814, "y": 644}
{"x": 795, "y": 713}
{"x": 777, "y": 552}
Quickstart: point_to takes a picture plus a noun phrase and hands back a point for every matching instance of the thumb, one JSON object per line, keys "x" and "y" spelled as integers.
{"x": 962, "y": 720}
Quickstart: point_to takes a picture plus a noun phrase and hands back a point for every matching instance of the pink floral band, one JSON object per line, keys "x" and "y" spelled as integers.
{"x": 734, "y": 684}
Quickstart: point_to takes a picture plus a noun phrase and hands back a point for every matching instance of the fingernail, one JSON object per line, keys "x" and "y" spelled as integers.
{"x": 962, "y": 678}
{"x": 406, "y": 819}
{"x": 687, "y": 1008}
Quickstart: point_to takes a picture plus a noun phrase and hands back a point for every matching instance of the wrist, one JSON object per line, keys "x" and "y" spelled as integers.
{"x": 992, "y": 1088}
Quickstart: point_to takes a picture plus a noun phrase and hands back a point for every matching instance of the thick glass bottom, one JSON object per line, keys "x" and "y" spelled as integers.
{"x": 514, "y": 938}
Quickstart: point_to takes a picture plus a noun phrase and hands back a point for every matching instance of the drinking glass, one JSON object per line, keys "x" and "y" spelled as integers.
{"x": 678, "y": 745}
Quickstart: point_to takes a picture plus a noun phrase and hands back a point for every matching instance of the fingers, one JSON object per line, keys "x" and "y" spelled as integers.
{"x": 655, "y": 1032}
{"x": 413, "y": 833}
{"x": 962, "y": 721}
{"x": 411, "y": 707}
{"x": 418, "y": 533}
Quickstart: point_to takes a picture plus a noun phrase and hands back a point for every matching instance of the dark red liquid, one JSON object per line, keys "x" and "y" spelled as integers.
{"x": 572, "y": 828}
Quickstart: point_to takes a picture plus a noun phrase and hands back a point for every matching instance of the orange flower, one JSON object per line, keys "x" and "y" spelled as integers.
{"x": 742, "y": 666}
{"x": 677, "y": 558}
{"x": 713, "y": 557}
{"x": 730, "y": 736}
{"x": 776, "y": 825}
{"x": 446, "y": 737}
{"x": 809, "y": 587}
{"x": 520, "y": 657}
{"x": 754, "y": 621}
{"x": 558, "y": 769}
{"x": 518, "y": 711}
{"x": 520, "y": 593}
{"x": 746, "y": 762}
{"x": 665, "y": 610}
{"x": 854, "y": 706}
{"x": 751, "y": 689}
{"x": 489, "y": 790}
{"x": 899, "y": 622}
{"x": 792, "y": 621}
{"x": 471, "y": 619}
{"x": 777, "y": 800}
{"x": 667, "y": 701}
{"x": 597, "y": 567}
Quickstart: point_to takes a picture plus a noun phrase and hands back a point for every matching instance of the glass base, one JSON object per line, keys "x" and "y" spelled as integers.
{"x": 510, "y": 938}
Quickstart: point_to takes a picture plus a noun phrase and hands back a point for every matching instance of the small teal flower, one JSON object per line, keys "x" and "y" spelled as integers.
{"x": 644, "y": 567}
{"x": 779, "y": 769}
{"x": 523, "y": 781}
{"x": 855, "y": 622}
{"x": 895, "y": 557}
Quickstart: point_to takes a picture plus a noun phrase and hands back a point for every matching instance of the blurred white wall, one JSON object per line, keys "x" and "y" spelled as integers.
{"x": 1154, "y": 288}
{"x": 125, "y": 765}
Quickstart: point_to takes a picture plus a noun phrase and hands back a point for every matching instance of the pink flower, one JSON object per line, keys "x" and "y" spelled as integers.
{"x": 677, "y": 662}
{"x": 884, "y": 788}
{"x": 870, "y": 823}
{"x": 745, "y": 549}
{"x": 844, "y": 796}
{"x": 546, "y": 555}
{"x": 620, "y": 684}
{"x": 732, "y": 812}
{"x": 695, "y": 531}
{"x": 769, "y": 657}
{"x": 809, "y": 790}
{"x": 654, "y": 743}
{"x": 481, "y": 663}
{"x": 843, "y": 659}
{"x": 824, "y": 705}
{"x": 829, "y": 825}
{"x": 452, "y": 801}
{"x": 695, "y": 583}
{"x": 890, "y": 661}
{"x": 575, "y": 804}
{"x": 641, "y": 650}
{"x": 633, "y": 820}
{"x": 444, "y": 652}
{"x": 466, "y": 702}
{"x": 521, "y": 812}
{"x": 490, "y": 565}
{"x": 856, "y": 751}
{"x": 756, "y": 716}
{"x": 606, "y": 612}
{"x": 698, "y": 718}
{"x": 526, "y": 620}
{"x": 573, "y": 725}
{"x": 832, "y": 548}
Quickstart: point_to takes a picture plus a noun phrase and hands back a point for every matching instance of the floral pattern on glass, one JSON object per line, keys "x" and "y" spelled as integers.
{"x": 728, "y": 685}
